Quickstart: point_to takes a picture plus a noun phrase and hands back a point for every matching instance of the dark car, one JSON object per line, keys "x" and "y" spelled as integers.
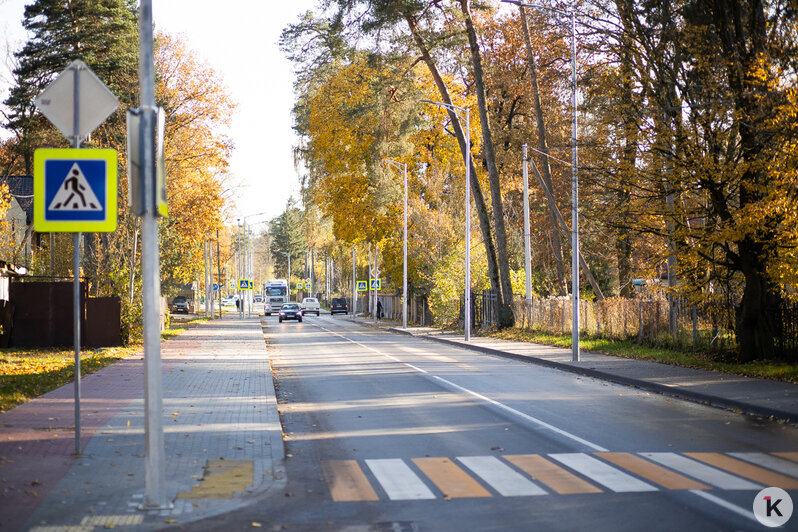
{"x": 339, "y": 305}
{"x": 291, "y": 311}
{"x": 180, "y": 304}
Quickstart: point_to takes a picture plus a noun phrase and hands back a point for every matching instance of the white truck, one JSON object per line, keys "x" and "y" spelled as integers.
{"x": 310, "y": 304}
{"x": 275, "y": 294}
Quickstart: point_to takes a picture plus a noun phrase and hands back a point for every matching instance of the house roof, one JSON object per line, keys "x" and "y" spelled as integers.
{"x": 21, "y": 187}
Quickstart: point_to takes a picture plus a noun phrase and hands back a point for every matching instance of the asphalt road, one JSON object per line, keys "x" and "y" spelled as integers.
{"x": 386, "y": 432}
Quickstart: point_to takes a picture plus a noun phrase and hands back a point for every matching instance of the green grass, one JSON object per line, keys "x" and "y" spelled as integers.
{"x": 27, "y": 373}
{"x": 721, "y": 362}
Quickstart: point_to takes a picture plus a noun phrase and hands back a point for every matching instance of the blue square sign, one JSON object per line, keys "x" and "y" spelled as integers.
{"x": 74, "y": 190}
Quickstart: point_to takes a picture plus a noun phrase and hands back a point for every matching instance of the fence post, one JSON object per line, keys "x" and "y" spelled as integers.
{"x": 640, "y": 322}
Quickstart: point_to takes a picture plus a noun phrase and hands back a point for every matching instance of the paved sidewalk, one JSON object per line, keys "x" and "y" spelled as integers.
{"x": 759, "y": 397}
{"x": 221, "y": 429}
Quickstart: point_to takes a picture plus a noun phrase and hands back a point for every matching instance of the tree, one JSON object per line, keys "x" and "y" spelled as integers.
{"x": 198, "y": 110}
{"x": 103, "y": 33}
{"x": 287, "y": 236}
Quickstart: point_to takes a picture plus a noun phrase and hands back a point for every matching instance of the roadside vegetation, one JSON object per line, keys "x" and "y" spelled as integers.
{"x": 725, "y": 362}
{"x": 29, "y": 373}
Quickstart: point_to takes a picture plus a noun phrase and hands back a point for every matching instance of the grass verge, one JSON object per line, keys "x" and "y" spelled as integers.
{"x": 27, "y": 373}
{"x": 766, "y": 369}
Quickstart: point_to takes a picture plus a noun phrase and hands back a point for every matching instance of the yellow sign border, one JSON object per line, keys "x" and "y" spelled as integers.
{"x": 108, "y": 225}
{"x": 241, "y": 283}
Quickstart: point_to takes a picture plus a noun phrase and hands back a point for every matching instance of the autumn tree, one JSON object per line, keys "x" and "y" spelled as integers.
{"x": 198, "y": 111}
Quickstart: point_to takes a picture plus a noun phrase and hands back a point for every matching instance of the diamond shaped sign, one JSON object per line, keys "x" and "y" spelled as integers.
{"x": 95, "y": 102}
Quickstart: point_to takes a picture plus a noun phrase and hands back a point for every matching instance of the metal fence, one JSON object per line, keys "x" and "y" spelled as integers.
{"x": 709, "y": 326}
{"x": 484, "y": 309}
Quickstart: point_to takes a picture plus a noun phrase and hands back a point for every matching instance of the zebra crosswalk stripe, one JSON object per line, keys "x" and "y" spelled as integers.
{"x": 602, "y": 473}
{"x": 500, "y": 476}
{"x": 701, "y": 471}
{"x": 747, "y": 470}
{"x": 771, "y": 462}
{"x": 398, "y": 480}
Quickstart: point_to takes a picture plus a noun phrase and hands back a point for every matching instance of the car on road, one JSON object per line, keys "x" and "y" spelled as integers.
{"x": 258, "y": 298}
{"x": 339, "y": 305}
{"x": 180, "y": 304}
{"x": 310, "y": 304}
{"x": 229, "y": 300}
{"x": 291, "y": 311}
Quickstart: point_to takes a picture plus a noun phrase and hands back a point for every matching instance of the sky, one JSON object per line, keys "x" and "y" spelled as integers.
{"x": 238, "y": 38}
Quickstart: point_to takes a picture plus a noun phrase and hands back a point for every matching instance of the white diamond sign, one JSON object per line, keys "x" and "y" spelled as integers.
{"x": 94, "y": 101}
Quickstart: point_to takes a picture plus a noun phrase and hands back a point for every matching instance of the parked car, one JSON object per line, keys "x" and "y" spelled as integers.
{"x": 229, "y": 300}
{"x": 339, "y": 305}
{"x": 180, "y": 304}
{"x": 310, "y": 304}
{"x": 291, "y": 311}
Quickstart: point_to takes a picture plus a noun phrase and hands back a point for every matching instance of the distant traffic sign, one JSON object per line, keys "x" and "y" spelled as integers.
{"x": 300, "y": 286}
{"x": 362, "y": 286}
{"x": 376, "y": 284}
{"x": 215, "y": 287}
{"x": 74, "y": 191}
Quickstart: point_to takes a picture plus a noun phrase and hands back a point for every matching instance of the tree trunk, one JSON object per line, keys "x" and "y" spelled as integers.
{"x": 755, "y": 328}
{"x": 628, "y": 164}
{"x": 506, "y": 317}
{"x": 476, "y": 188}
{"x": 556, "y": 242}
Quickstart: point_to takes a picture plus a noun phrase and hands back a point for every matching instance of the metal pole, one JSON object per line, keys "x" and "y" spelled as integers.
{"x": 210, "y": 275}
{"x": 76, "y": 274}
{"x": 467, "y": 315}
{"x": 219, "y": 272}
{"x": 375, "y": 291}
{"x": 240, "y": 308}
{"x": 527, "y": 238}
{"x": 76, "y": 333}
{"x": 404, "y": 262}
{"x": 574, "y": 204}
{"x": 354, "y": 284}
{"x": 155, "y": 481}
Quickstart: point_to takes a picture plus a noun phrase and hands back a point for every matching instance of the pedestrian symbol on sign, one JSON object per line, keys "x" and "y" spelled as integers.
{"x": 75, "y": 193}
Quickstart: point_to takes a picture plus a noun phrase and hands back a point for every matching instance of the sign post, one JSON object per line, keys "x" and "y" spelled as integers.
{"x": 149, "y": 201}
{"x": 76, "y": 102}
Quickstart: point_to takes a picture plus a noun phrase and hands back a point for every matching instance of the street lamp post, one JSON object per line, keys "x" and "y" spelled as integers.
{"x": 574, "y": 178}
{"x": 464, "y": 112}
{"x": 396, "y": 164}
{"x": 289, "y": 271}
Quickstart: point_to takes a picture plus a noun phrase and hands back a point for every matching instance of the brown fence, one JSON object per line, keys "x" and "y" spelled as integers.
{"x": 650, "y": 320}
{"x": 43, "y": 316}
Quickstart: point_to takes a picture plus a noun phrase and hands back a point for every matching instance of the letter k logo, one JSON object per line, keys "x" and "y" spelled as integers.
{"x": 772, "y": 506}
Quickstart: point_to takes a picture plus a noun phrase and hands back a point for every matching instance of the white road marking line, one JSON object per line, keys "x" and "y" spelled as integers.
{"x": 725, "y": 504}
{"x": 479, "y": 396}
{"x": 398, "y": 480}
{"x": 602, "y": 473}
{"x": 780, "y": 465}
{"x": 500, "y": 476}
{"x": 702, "y": 472}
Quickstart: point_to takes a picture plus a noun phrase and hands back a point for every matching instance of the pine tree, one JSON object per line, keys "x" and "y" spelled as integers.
{"x": 102, "y": 33}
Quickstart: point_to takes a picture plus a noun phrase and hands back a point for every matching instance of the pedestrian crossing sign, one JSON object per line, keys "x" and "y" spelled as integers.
{"x": 245, "y": 284}
{"x": 376, "y": 284}
{"x": 361, "y": 286}
{"x": 74, "y": 190}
